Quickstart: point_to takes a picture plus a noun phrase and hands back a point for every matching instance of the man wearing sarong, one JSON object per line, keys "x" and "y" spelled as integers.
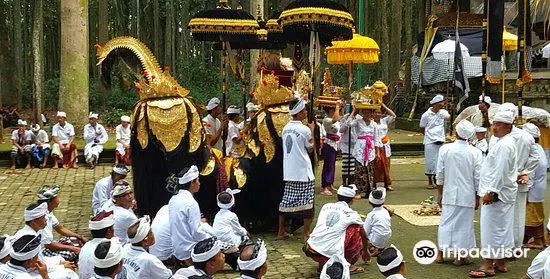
{"x": 63, "y": 148}
{"x": 298, "y": 175}
{"x": 331, "y": 125}
{"x": 103, "y": 187}
{"x": 95, "y": 136}
{"x": 527, "y": 161}
{"x": 123, "y": 134}
{"x": 41, "y": 149}
{"x": 347, "y": 143}
{"x": 534, "y": 220}
{"x": 498, "y": 191}
{"x": 21, "y": 148}
{"x": 457, "y": 177}
{"x": 122, "y": 207}
{"x": 213, "y": 126}
{"x": 339, "y": 231}
{"x": 433, "y": 123}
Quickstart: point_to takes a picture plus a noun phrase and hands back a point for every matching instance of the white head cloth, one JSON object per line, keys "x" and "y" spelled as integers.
{"x": 189, "y": 176}
{"x": 253, "y": 264}
{"x": 206, "y": 256}
{"x": 61, "y": 114}
{"x": 378, "y": 201}
{"x": 251, "y": 107}
{"x": 487, "y": 99}
{"x": 213, "y": 103}
{"x": 93, "y": 115}
{"x": 481, "y": 130}
{"x": 532, "y": 129}
{"x": 35, "y": 128}
{"x": 465, "y": 129}
{"x": 36, "y": 213}
{"x": 143, "y": 229}
{"x": 337, "y": 258}
{"x": 120, "y": 189}
{"x": 6, "y": 249}
{"x": 504, "y": 117}
{"x": 25, "y": 256}
{"x": 348, "y": 191}
{"x": 393, "y": 264}
{"x": 233, "y": 110}
{"x": 125, "y": 118}
{"x": 48, "y": 192}
{"x": 120, "y": 169}
{"x": 230, "y": 204}
{"x": 104, "y": 223}
{"x": 114, "y": 256}
{"x": 301, "y": 105}
{"x": 437, "y": 99}
{"x": 509, "y": 107}
{"x": 21, "y": 122}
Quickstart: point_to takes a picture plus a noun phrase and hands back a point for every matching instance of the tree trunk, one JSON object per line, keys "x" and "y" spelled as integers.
{"x": 395, "y": 50}
{"x": 168, "y": 42}
{"x": 18, "y": 49}
{"x": 408, "y": 44}
{"x": 138, "y": 18}
{"x": 384, "y": 41}
{"x": 421, "y": 15}
{"x": 255, "y": 54}
{"x": 103, "y": 21}
{"x": 73, "y": 83}
{"x": 38, "y": 54}
{"x": 156, "y": 29}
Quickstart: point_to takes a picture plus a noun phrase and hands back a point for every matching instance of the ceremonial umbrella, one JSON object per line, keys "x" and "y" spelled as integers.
{"x": 360, "y": 49}
{"x": 224, "y": 25}
{"x": 509, "y": 43}
{"x": 546, "y": 51}
{"x": 318, "y": 22}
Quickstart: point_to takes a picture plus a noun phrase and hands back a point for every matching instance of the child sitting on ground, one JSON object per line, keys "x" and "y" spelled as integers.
{"x": 227, "y": 228}
{"x": 377, "y": 224}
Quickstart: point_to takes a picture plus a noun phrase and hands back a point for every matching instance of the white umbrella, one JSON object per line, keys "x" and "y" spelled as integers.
{"x": 446, "y": 50}
{"x": 546, "y": 51}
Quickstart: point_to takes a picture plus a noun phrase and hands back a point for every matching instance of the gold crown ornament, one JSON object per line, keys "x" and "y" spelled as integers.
{"x": 269, "y": 92}
{"x": 371, "y": 97}
{"x": 331, "y": 93}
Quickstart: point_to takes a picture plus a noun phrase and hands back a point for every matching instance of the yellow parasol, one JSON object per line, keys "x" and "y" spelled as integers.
{"x": 360, "y": 49}
{"x": 509, "y": 43}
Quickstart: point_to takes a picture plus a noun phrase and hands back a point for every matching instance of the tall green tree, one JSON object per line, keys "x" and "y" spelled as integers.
{"x": 396, "y": 38}
{"x": 74, "y": 76}
{"x": 38, "y": 54}
{"x": 18, "y": 52}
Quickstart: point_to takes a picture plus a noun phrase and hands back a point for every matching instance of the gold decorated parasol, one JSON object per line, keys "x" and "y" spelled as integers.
{"x": 360, "y": 49}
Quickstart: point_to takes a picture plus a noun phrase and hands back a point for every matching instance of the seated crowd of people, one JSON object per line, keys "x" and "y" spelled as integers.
{"x": 33, "y": 146}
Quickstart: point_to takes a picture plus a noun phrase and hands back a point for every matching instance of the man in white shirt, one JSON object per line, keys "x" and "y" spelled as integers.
{"x": 69, "y": 252}
{"x": 457, "y": 177}
{"x": 253, "y": 260}
{"x": 233, "y": 131}
{"x": 251, "y": 110}
{"x": 95, "y": 136}
{"x": 433, "y": 123}
{"x": 377, "y": 224}
{"x": 124, "y": 215}
{"x": 63, "y": 148}
{"x": 527, "y": 161}
{"x": 24, "y": 259}
{"x": 108, "y": 260}
{"x": 103, "y": 187}
{"x": 162, "y": 248}
{"x": 336, "y": 268}
{"x": 41, "y": 149}
{"x": 339, "y": 231}
{"x": 298, "y": 175}
{"x": 21, "y": 148}
{"x": 391, "y": 264}
{"x": 536, "y": 269}
{"x": 101, "y": 228}
{"x": 123, "y": 134}
{"x": 534, "y": 220}
{"x": 5, "y": 249}
{"x": 213, "y": 126}
{"x": 498, "y": 191}
{"x": 186, "y": 226}
{"x": 347, "y": 143}
{"x": 137, "y": 261}
{"x": 207, "y": 258}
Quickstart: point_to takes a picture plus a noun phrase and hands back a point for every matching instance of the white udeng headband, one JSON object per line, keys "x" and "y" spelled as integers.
{"x": 102, "y": 224}
{"x": 298, "y": 107}
{"x": 36, "y": 213}
{"x": 28, "y": 255}
{"x": 200, "y": 258}
{"x": 253, "y": 264}
{"x": 378, "y": 201}
{"x": 142, "y": 230}
{"x": 6, "y": 250}
{"x": 337, "y": 258}
{"x": 114, "y": 256}
{"x": 232, "y": 203}
{"x": 120, "y": 170}
{"x": 189, "y": 176}
{"x": 393, "y": 264}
